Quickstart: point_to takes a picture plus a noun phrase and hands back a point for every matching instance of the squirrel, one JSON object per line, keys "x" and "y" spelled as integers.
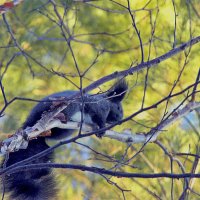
{"x": 97, "y": 110}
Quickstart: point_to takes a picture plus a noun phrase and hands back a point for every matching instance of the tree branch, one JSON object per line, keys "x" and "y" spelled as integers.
{"x": 97, "y": 170}
{"x": 48, "y": 121}
{"x": 143, "y": 65}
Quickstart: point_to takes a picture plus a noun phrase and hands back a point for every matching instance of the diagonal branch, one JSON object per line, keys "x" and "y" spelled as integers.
{"x": 128, "y": 137}
{"x": 148, "y": 64}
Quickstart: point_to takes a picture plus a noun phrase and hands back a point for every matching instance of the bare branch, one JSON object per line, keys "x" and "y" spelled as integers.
{"x": 97, "y": 170}
{"x": 137, "y": 68}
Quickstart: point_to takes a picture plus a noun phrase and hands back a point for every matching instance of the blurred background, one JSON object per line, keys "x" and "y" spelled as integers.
{"x": 65, "y": 44}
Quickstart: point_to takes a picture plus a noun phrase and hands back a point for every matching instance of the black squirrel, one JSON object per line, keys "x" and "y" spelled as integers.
{"x": 97, "y": 110}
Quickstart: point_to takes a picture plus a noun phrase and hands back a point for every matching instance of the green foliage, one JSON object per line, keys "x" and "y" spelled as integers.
{"x": 104, "y": 28}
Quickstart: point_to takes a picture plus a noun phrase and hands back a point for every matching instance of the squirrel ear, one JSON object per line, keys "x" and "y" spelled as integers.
{"x": 118, "y": 91}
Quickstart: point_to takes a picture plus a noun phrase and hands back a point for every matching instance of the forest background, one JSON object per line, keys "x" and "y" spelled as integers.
{"x": 49, "y": 46}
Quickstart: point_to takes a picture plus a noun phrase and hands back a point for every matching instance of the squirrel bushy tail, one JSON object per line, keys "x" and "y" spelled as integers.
{"x": 36, "y": 184}
{"x": 118, "y": 91}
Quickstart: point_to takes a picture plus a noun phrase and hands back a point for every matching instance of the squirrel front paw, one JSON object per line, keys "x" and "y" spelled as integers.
{"x": 100, "y": 134}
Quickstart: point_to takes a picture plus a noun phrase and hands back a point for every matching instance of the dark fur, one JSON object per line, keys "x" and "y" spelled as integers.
{"x": 98, "y": 110}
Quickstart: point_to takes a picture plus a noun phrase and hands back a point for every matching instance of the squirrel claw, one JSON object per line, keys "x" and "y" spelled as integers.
{"x": 99, "y": 135}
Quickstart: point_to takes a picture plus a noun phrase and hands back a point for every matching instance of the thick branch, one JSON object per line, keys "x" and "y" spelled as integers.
{"x": 47, "y": 122}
